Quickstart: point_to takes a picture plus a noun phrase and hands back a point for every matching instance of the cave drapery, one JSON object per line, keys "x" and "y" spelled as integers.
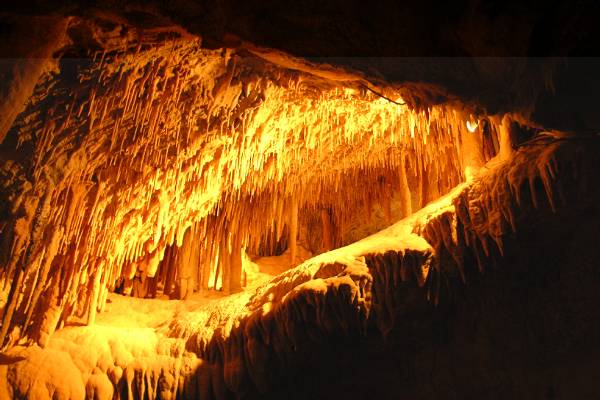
{"x": 143, "y": 152}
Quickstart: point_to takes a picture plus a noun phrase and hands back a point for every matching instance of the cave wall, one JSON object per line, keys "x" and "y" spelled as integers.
{"x": 140, "y": 134}
{"x": 125, "y": 111}
{"x": 516, "y": 319}
{"x": 443, "y": 303}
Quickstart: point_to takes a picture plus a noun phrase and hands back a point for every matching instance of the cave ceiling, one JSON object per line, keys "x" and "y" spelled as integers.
{"x": 137, "y": 136}
{"x": 494, "y": 56}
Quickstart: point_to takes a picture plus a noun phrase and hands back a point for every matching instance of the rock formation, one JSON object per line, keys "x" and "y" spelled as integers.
{"x": 145, "y": 156}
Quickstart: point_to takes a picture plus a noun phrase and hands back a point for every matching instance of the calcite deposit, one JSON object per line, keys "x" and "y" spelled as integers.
{"x": 185, "y": 220}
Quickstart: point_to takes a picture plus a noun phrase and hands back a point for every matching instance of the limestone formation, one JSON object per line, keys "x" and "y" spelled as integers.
{"x": 185, "y": 220}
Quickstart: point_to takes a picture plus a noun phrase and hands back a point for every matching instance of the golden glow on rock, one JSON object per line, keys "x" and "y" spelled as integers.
{"x": 472, "y": 126}
{"x": 158, "y": 140}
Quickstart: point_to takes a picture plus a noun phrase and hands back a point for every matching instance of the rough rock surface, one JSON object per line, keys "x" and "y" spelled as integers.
{"x": 153, "y": 144}
{"x": 401, "y": 282}
{"x": 160, "y": 142}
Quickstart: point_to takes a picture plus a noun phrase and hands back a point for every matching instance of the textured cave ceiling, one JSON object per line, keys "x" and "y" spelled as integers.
{"x": 471, "y": 50}
{"x": 165, "y": 140}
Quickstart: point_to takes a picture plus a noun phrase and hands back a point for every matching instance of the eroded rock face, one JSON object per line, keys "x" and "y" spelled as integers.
{"x": 135, "y": 149}
{"x": 396, "y": 313}
{"x": 148, "y": 135}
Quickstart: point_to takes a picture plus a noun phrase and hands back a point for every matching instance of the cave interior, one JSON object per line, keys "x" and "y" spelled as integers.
{"x": 224, "y": 200}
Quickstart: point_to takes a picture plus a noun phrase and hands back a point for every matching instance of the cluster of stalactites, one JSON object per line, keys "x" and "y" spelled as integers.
{"x": 140, "y": 144}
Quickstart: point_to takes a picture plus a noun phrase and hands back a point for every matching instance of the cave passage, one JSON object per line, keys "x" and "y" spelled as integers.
{"x": 185, "y": 220}
{"x": 168, "y": 167}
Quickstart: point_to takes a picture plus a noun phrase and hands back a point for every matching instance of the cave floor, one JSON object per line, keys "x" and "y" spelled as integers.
{"x": 132, "y": 330}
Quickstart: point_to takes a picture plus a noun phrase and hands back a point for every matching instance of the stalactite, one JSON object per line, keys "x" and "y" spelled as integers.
{"x": 224, "y": 265}
{"x": 170, "y": 272}
{"x": 94, "y": 298}
{"x": 404, "y": 189}
{"x": 235, "y": 284}
{"x": 164, "y": 135}
{"x": 326, "y": 230}
{"x": 505, "y": 144}
{"x": 293, "y": 230}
